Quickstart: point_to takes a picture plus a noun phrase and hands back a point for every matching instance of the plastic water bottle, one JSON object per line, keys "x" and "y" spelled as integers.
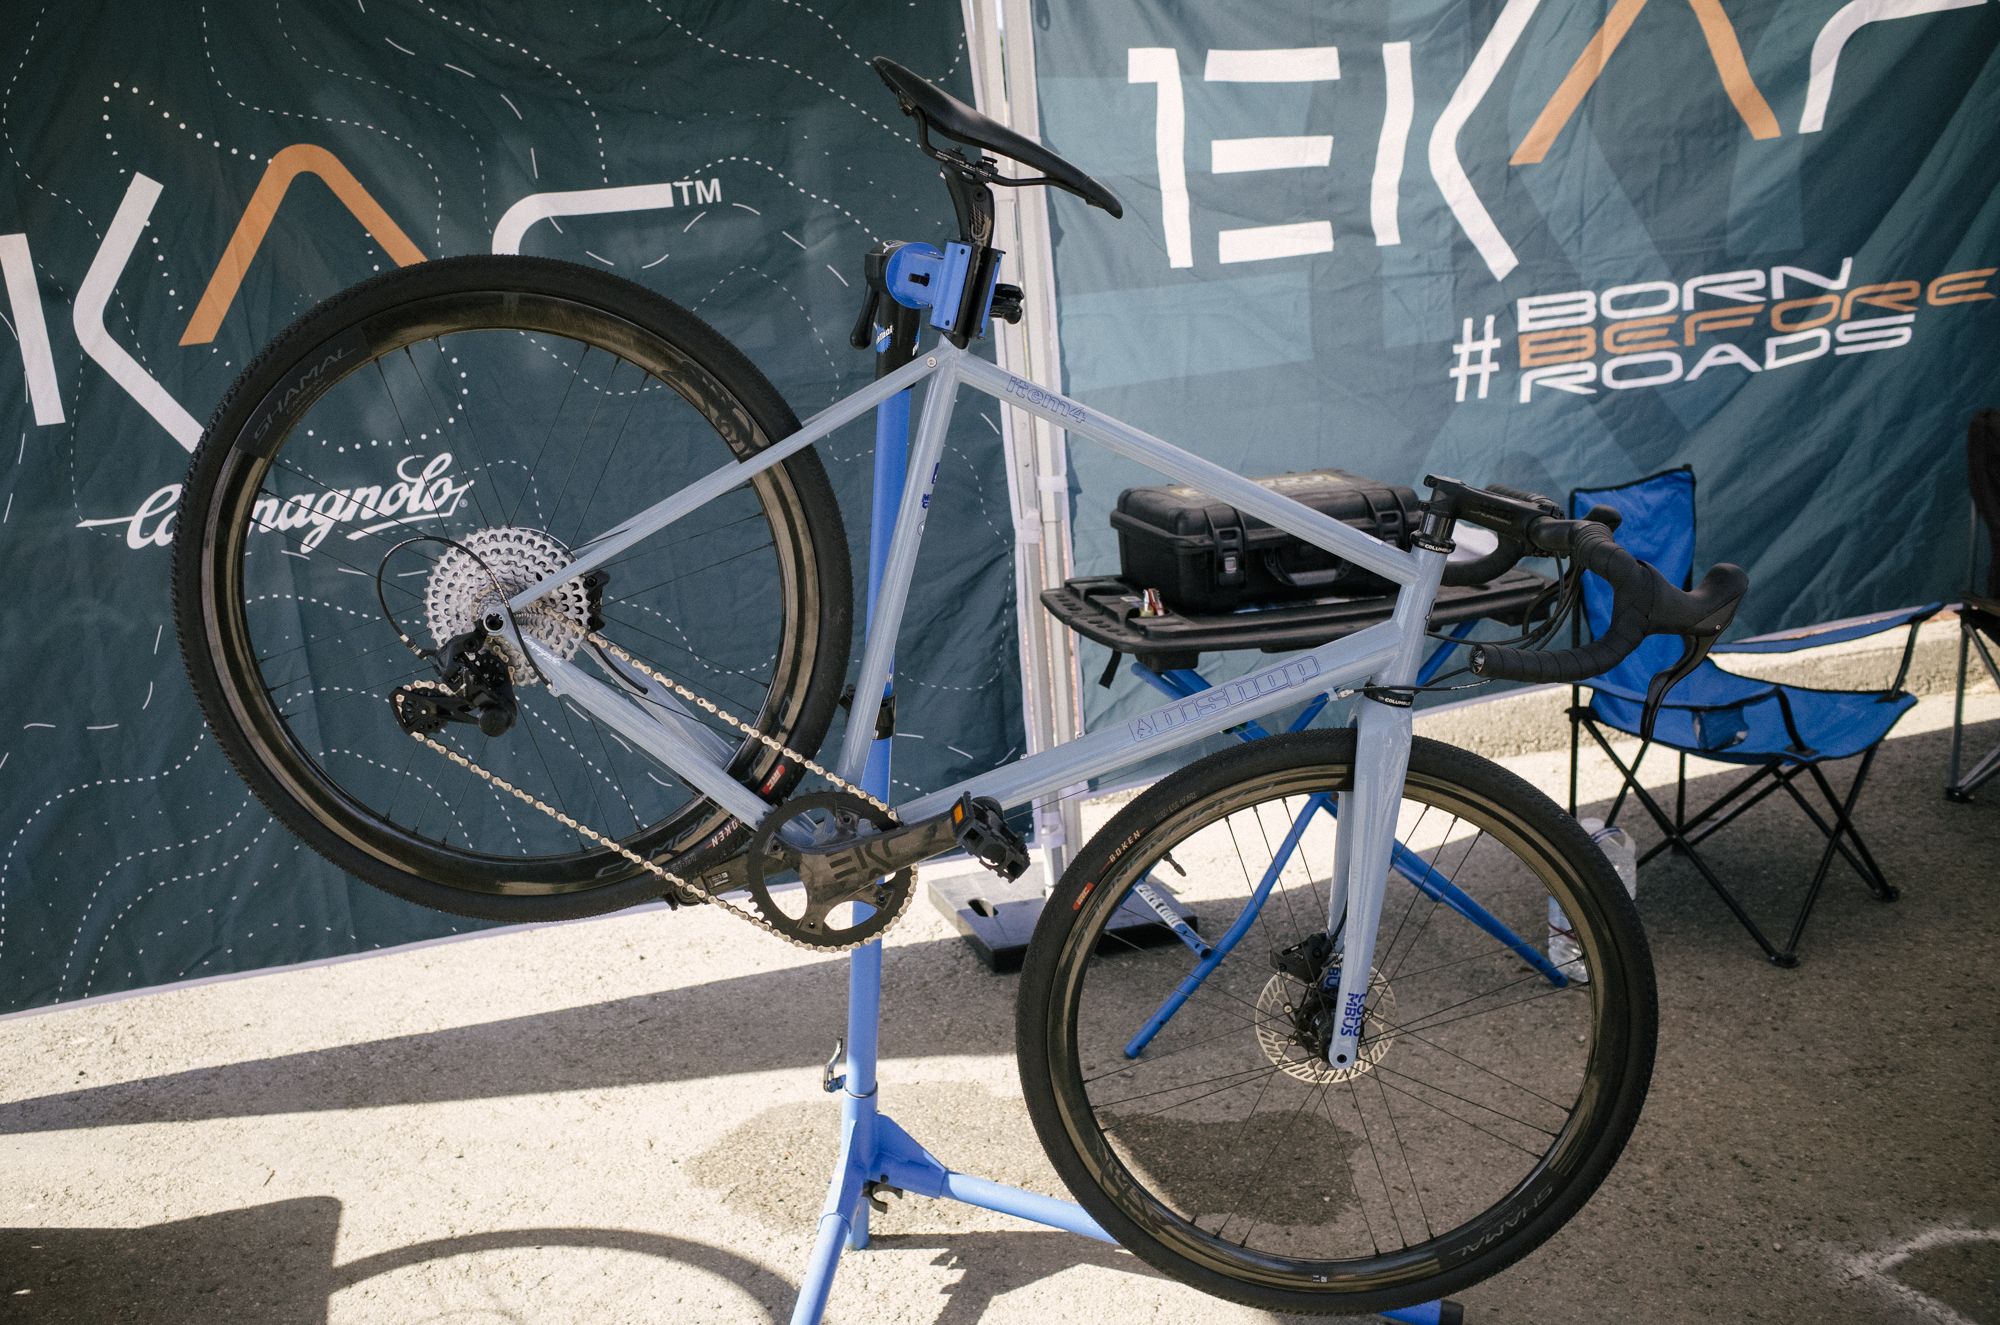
{"x": 1564, "y": 951}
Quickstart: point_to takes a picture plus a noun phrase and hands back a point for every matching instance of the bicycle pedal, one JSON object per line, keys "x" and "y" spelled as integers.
{"x": 981, "y": 829}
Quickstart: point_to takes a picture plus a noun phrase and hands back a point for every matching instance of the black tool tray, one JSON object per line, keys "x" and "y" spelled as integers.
{"x": 1106, "y": 609}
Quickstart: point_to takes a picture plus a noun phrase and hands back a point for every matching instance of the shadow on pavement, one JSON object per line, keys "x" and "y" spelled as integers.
{"x": 774, "y": 1019}
{"x": 273, "y": 1265}
{"x": 938, "y": 1000}
{"x": 990, "y": 1264}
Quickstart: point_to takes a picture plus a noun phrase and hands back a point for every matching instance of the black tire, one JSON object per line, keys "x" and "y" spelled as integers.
{"x": 1153, "y": 1174}
{"x": 412, "y": 344}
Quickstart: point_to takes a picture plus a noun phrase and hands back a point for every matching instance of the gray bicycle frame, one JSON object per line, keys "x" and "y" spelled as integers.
{"x": 1387, "y": 654}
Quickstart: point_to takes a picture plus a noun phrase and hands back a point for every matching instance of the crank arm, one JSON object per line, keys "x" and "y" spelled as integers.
{"x": 974, "y": 824}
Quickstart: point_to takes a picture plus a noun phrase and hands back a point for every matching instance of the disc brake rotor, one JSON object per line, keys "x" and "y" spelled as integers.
{"x": 1280, "y": 1037}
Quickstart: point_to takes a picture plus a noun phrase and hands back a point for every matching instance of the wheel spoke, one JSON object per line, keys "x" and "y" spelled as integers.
{"x": 1455, "y": 1124}
{"x": 548, "y": 415}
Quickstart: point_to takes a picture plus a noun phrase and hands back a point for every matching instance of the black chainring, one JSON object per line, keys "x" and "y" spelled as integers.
{"x": 769, "y": 854}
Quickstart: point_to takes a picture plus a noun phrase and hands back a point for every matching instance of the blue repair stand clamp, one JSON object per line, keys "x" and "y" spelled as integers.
{"x": 874, "y": 1151}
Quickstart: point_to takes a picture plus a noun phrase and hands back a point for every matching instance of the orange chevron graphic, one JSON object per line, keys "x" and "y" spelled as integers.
{"x": 284, "y": 167}
{"x": 1723, "y": 48}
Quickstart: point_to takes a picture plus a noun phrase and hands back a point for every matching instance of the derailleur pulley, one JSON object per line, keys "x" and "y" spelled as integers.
{"x": 473, "y": 686}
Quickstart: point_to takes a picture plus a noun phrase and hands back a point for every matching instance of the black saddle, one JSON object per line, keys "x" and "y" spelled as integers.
{"x": 955, "y": 120}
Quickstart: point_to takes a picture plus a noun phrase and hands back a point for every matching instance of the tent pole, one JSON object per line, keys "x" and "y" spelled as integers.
{"x": 1003, "y": 70}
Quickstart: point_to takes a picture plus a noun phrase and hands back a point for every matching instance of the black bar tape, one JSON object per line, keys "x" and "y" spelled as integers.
{"x": 1634, "y": 588}
{"x": 1642, "y": 604}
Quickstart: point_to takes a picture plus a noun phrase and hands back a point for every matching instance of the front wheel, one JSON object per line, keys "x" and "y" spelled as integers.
{"x": 1494, "y": 1088}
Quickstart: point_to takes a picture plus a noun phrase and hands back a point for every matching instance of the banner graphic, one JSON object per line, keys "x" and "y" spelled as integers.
{"x": 178, "y": 182}
{"x": 1549, "y": 243}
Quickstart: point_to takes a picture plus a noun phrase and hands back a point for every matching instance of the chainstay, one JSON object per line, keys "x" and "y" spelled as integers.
{"x": 699, "y": 701}
{"x": 683, "y": 891}
{"x": 597, "y": 638}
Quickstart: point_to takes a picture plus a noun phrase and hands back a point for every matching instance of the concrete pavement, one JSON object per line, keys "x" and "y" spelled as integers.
{"x": 620, "y": 1121}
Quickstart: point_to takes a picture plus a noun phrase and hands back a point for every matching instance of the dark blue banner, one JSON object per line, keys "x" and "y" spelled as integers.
{"x": 1550, "y": 243}
{"x": 179, "y": 182}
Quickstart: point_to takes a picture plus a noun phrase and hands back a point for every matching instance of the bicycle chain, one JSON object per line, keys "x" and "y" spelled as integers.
{"x": 839, "y": 782}
{"x": 683, "y": 892}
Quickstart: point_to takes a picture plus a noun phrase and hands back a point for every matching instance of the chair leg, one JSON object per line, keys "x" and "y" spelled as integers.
{"x": 1681, "y": 793}
{"x": 1953, "y": 788}
{"x": 1631, "y": 776}
{"x": 1769, "y": 770}
{"x": 1981, "y": 772}
{"x": 1832, "y": 831}
{"x": 1843, "y": 825}
{"x": 1960, "y": 789}
{"x": 1685, "y": 832}
{"x": 1659, "y": 816}
{"x": 1877, "y": 881}
{"x": 1790, "y": 955}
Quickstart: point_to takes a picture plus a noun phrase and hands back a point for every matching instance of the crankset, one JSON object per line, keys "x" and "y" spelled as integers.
{"x": 841, "y": 849}
{"x": 816, "y": 839}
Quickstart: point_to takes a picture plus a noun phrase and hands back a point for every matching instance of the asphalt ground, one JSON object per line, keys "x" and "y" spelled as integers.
{"x": 620, "y": 1120}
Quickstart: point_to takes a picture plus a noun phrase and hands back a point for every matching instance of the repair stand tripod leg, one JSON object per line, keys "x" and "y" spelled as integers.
{"x": 874, "y": 1151}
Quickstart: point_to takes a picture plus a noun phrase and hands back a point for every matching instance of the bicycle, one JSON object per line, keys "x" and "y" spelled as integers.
{"x": 693, "y": 707}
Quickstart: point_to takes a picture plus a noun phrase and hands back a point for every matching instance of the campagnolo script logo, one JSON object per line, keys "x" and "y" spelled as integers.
{"x": 424, "y": 489}
{"x": 1048, "y": 400}
{"x": 1240, "y": 691}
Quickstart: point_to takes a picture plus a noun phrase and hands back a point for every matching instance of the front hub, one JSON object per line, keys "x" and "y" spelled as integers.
{"x": 1296, "y": 1017}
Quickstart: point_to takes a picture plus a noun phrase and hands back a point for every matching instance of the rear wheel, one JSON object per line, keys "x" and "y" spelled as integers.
{"x": 501, "y": 412}
{"x": 1491, "y": 1096}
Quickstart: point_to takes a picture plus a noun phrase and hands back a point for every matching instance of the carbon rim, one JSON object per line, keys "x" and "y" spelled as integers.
{"x": 405, "y": 330}
{"x": 1118, "y": 1169}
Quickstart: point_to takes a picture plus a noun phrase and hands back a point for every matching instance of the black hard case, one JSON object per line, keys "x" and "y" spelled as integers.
{"x": 1204, "y": 555}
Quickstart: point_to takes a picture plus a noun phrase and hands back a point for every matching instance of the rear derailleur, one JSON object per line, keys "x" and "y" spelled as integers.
{"x": 473, "y": 686}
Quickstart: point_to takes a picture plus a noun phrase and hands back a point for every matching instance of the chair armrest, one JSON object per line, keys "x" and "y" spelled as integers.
{"x": 1838, "y": 632}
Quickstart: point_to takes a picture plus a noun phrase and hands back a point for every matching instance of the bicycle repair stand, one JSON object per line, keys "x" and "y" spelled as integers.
{"x": 875, "y": 1153}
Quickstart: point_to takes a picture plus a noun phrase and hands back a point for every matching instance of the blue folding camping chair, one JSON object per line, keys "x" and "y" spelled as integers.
{"x": 1978, "y": 617}
{"x": 1785, "y": 734}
